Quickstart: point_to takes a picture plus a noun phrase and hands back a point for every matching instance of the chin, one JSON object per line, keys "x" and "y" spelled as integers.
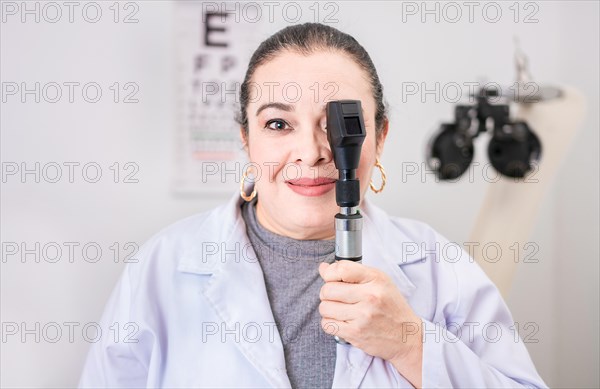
{"x": 318, "y": 218}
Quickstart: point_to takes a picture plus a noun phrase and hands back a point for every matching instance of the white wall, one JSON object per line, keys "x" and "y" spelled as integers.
{"x": 560, "y": 293}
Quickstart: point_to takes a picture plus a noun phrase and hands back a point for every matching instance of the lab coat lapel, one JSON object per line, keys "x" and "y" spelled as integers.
{"x": 351, "y": 365}
{"x": 237, "y": 293}
{"x": 382, "y": 247}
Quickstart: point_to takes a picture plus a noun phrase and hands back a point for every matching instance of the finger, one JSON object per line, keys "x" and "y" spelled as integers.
{"x": 332, "y": 326}
{"x": 338, "y": 311}
{"x": 346, "y": 271}
{"x": 343, "y": 292}
{"x": 322, "y": 267}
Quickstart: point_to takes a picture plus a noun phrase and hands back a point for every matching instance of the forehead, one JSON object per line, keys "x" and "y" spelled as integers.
{"x": 318, "y": 77}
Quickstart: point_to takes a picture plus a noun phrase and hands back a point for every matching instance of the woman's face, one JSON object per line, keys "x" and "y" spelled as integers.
{"x": 287, "y": 139}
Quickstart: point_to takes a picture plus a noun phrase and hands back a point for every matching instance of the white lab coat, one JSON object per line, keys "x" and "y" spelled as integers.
{"x": 194, "y": 312}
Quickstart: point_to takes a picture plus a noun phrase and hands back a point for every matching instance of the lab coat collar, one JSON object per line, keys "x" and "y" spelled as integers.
{"x": 382, "y": 246}
{"x": 236, "y": 289}
{"x": 238, "y": 294}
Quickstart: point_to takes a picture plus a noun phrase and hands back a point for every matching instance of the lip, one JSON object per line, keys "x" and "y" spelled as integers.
{"x": 311, "y": 186}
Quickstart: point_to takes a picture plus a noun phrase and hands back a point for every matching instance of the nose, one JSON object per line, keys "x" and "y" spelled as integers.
{"x": 312, "y": 147}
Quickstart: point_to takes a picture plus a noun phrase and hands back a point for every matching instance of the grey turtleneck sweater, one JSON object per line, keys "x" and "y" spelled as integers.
{"x": 291, "y": 272}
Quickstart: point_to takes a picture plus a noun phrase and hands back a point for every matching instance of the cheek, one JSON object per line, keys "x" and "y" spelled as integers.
{"x": 368, "y": 153}
{"x": 367, "y": 161}
{"x": 268, "y": 157}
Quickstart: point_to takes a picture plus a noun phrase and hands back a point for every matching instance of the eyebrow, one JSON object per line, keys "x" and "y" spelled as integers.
{"x": 280, "y": 106}
{"x": 287, "y": 107}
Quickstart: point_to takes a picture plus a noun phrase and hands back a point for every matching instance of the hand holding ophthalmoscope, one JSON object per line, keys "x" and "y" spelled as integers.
{"x": 362, "y": 305}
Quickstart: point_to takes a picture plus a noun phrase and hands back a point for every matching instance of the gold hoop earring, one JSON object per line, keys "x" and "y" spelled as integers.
{"x": 383, "y": 177}
{"x": 242, "y": 193}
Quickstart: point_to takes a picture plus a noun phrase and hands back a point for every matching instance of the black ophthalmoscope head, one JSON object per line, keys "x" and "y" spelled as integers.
{"x": 346, "y": 133}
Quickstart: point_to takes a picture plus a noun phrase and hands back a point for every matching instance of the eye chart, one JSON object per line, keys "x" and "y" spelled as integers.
{"x": 213, "y": 44}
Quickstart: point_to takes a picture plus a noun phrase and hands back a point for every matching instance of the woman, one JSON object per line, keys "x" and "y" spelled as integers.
{"x": 247, "y": 295}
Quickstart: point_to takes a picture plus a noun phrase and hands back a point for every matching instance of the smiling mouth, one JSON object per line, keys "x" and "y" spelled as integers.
{"x": 309, "y": 182}
{"x": 311, "y": 187}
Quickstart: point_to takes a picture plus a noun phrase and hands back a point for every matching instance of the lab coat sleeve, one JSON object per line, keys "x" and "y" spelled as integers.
{"x": 112, "y": 361}
{"x": 477, "y": 344}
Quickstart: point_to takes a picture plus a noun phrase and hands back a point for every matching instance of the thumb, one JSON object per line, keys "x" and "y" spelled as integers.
{"x": 322, "y": 267}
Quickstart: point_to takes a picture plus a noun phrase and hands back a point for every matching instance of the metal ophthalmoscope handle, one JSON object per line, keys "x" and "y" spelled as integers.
{"x": 346, "y": 133}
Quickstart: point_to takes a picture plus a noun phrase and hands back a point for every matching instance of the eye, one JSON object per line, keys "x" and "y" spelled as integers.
{"x": 277, "y": 125}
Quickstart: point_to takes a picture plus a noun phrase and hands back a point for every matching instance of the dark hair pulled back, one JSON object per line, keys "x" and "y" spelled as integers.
{"x": 305, "y": 39}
